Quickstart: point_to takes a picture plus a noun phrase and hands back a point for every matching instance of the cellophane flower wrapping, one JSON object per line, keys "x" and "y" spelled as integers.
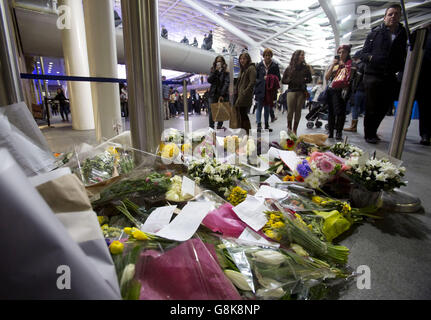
{"x": 268, "y": 273}
{"x": 189, "y": 271}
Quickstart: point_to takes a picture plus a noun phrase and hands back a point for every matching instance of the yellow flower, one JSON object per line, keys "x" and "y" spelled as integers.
{"x": 112, "y": 151}
{"x": 101, "y": 219}
{"x": 116, "y": 247}
{"x": 270, "y": 234}
{"x": 310, "y": 227}
{"x": 278, "y": 225}
{"x": 170, "y": 151}
{"x": 139, "y": 235}
{"x": 317, "y": 199}
{"x": 105, "y": 226}
{"x": 128, "y": 231}
{"x": 289, "y": 178}
{"x": 346, "y": 208}
{"x": 272, "y": 216}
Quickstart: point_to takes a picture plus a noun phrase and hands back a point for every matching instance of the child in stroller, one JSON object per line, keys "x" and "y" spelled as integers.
{"x": 318, "y": 112}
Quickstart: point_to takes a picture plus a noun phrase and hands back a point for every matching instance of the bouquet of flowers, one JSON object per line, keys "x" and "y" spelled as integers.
{"x": 215, "y": 175}
{"x": 173, "y": 135}
{"x": 376, "y": 174}
{"x": 345, "y": 150}
{"x": 287, "y": 228}
{"x": 269, "y": 273}
{"x": 319, "y": 168}
{"x": 288, "y": 140}
{"x": 112, "y": 162}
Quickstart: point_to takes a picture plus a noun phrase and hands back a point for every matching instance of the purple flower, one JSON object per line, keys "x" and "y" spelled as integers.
{"x": 304, "y": 169}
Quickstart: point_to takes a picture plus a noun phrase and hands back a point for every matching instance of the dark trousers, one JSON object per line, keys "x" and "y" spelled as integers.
{"x": 380, "y": 94}
{"x": 244, "y": 119}
{"x": 63, "y": 112}
{"x": 336, "y": 110}
{"x": 125, "y": 109}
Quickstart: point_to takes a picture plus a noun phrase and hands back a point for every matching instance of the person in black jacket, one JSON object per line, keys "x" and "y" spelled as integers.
{"x": 219, "y": 90}
{"x": 422, "y": 94}
{"x": 384, "y": 55}
{"x": 264, "y": 68}
{"x": 63, "y": 104}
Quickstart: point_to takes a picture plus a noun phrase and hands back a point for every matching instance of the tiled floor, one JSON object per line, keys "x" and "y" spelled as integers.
{"x": 397, "y": 249}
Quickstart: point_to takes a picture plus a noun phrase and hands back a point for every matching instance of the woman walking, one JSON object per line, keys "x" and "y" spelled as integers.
{"x": 63, "y": 104}
{"x": 296, "y": 76}
{"x": 267, "y": 80}
{"x": 244, "y": 91}
{"x": 219, "y": 91}
{"x": 338, "y": 76}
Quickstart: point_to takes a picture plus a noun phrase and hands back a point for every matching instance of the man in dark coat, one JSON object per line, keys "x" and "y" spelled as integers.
{"x": 384, "y": 55}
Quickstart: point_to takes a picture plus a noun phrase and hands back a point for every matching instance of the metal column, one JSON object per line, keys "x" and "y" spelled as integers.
{"x": 141, "y": 46}
{"x": 407, "y": 93}
{"x": 10, "y": 85}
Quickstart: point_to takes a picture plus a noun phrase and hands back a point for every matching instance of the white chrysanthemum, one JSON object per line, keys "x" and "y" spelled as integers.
{"x": 283, "y": 135}
{"x": 381, "y": 177}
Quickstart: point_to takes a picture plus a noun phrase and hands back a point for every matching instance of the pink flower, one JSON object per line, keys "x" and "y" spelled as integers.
{"x": 325, "y": 165}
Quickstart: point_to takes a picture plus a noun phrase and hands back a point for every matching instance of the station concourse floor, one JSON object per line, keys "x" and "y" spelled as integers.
{"x": 397, "y": 249}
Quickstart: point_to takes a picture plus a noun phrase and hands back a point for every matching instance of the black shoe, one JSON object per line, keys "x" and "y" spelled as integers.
{"x": 339, "y": 135}
{"x": 371, "y": 140}
{"x": 268, "y": 128}
{"x": 425, "y": 141}
{"x": 331, "y": 135}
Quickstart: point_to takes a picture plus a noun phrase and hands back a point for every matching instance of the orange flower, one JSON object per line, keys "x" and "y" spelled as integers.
{"x": 289, "y": 178}
{"x": 299, "y": 179}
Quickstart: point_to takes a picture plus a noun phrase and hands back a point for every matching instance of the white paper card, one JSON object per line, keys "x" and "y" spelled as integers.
{"x": 273, "y": 179}
{"x": 249, "y": 235}
{"x": 184, "y": 226}
{"x": 158, "y": 219}
{"x": 270, "y": 192}
{"x": 251, "y": 211}
{"x": 289, "y": 158}
{"x": 188, "y": 187}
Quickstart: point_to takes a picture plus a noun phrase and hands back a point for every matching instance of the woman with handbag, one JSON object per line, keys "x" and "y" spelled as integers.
{"x": 296, "y": 76}
{"x": 338, "y": 76}
{"x": 219, "y": 90}
{"x": 244, "y": 92}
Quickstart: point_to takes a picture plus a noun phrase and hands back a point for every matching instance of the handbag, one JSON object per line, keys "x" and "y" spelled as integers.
{"x": 221, "y": 111}
{"x": 341, "y": 79}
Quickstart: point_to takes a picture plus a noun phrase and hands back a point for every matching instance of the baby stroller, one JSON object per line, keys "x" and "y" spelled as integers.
{"x": 318, "y": 112}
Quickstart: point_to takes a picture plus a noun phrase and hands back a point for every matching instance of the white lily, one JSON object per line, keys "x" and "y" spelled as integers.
{"x": 238, "y": 280}
{"x": 269, "y": 256}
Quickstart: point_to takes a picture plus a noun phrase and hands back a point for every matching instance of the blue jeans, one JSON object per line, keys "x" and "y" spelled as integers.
{"x": 359, "y": 105}
{"x": 259, "y": 113}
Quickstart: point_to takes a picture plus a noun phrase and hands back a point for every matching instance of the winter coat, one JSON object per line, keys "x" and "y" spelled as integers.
{"x": 260, "y": 88}
{"x": 219, "y": 85}
{"x": 297, "y": 81}
{"x": 272, "y": 84}
{"x": 382, "y": 56}
{"x": 245, "y": 86}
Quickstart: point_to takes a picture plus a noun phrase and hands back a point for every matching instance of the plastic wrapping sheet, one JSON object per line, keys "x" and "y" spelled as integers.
{"x": 272, "y": 273}
{"x": 37, "y": 246}
{"x": 20, "y": 135}
{"x": 189, "y": 271}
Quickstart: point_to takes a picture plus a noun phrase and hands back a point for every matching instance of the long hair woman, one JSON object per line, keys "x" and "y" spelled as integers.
{"x": 219, "y": 91}
{"x": 336, "y": 102}
{"x": 296, "y": 76}
{"x": 244, "y": 90}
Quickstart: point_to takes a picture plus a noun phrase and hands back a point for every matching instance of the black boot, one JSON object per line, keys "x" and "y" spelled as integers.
{"x": 267, "y": 127}
{"x": 330, "y": 133}
{"x": 259, "y": 127}
{"x": 339, "y": 135}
